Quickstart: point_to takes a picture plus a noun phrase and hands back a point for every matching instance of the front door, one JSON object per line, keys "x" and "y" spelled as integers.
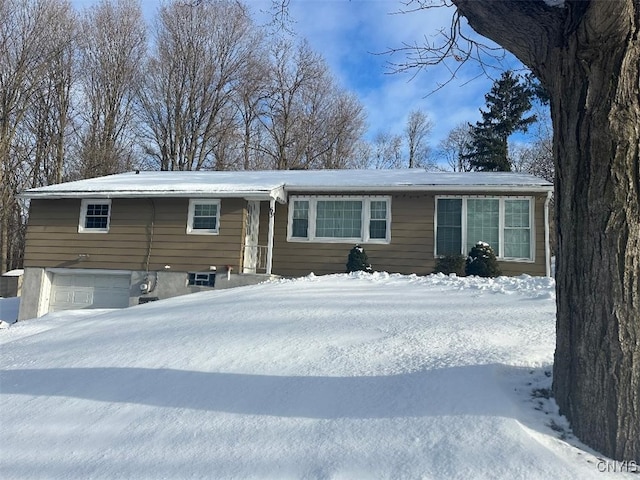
{"x": 251, "y": 237}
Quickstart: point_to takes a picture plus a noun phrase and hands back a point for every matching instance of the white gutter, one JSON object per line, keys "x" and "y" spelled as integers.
{"x": 547, "y": 245}
{"x": 280, "y": 193}
{"x": 266, "y": 195}
{"x": 422, "y": 188}
{"x": 272, "y": 214}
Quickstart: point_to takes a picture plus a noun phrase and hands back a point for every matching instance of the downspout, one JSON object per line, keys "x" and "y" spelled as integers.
{"x": 272, "y": 214}
{"x": 149, "y": 284}
{"x": 547, "y": 245}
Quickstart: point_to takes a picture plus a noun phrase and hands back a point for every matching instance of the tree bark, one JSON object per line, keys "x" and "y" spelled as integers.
{"x": 587, "y": 55}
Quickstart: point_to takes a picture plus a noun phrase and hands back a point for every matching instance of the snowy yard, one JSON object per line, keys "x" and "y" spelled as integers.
{"x": 341, "y": 376}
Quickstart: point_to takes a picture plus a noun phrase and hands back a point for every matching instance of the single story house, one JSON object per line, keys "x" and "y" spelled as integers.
{"x": 124, "y": 239}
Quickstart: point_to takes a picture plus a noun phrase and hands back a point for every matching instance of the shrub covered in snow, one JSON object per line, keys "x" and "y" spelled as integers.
{"x": 449, "y": 264}
{"x": 358, "y": 261}
{"x": 482, "y": 261}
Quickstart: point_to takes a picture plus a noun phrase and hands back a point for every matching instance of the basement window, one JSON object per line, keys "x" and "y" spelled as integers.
{"x": 196, "y": 279}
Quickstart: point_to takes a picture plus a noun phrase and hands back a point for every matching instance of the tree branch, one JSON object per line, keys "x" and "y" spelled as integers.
{"x": 530, "y": 29}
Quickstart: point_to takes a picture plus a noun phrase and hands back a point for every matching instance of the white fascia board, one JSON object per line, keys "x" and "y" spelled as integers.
{"x": 266, "y": 195}
{"x": 427, "y": 188}
{"x": 280, "y": 193}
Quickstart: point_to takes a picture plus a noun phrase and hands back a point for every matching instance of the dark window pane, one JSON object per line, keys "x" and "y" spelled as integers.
{"x": 205, "y": 216}
{"x": 300, "y": 228}
{"x": 449, "y": 233}
{"x": 201, "y": 279}
{"x": 204, "y": 223}
{"x": 378, "y": 229}
{"x": 97, "y": 216}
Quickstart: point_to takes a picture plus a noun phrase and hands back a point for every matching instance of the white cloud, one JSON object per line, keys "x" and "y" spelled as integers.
{"x": 353, "y": 36}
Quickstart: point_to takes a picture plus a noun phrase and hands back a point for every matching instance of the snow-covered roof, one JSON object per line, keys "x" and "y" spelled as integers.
{"x": 18, "y": 272}
{"x": 277, "y": 183}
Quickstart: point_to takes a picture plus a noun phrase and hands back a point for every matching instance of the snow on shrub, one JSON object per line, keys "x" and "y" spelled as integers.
{"x": 358, "y": 261}
{"x": 482, "y": 261}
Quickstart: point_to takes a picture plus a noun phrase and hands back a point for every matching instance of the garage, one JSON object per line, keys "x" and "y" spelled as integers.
{"x": 76, "y": 291}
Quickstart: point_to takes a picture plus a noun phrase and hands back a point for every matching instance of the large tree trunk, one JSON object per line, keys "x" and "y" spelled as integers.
{"x": 596, "y": 118}
{"x": 587, "y": 55}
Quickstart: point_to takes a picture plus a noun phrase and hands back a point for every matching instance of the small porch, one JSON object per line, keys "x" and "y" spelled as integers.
{"x": 255, "y": 259}
{"x": 257, "y": 251}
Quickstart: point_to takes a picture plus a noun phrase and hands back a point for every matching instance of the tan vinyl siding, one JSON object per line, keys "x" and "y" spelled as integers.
{"x": 53, "y": 239}
{"x": 411, "y": 249}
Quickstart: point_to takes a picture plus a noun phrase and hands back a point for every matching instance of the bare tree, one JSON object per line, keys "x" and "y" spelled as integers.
{"x": 417, "y": 130}
{"x": 535, "y": 158}
{"x": 455, "y": 147}
{"x": 362, "y": 155}
{"x": 341, "y": 127}
{"x": 27, "y": 44}
{"x": 386, "y": 151}
{"x": 308, "y": 121}
{"x": 48, "y": 120}
{"x": 294, "y": 69}
{"x": 250, "y": 95}
{"x": 190, "y": 100}
{"x": 112, "y": 49}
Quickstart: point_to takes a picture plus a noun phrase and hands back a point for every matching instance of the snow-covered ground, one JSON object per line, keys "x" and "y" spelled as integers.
{"x": 341, "y": 376}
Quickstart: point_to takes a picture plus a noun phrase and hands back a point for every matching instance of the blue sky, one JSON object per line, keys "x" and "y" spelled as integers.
{"x": 353, "y": 35}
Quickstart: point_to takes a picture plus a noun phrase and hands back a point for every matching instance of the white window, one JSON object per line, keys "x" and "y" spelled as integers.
{"x": 94, "y": 216}
{"x": 340, "y": 219}
{"x": 204, "y": 217}
{"x": 505, "y": 223}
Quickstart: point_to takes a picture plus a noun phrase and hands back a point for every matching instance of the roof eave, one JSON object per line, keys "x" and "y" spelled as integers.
{"x": 249, "y": 195}
{"x": 280, "y": 193}
{"x": 425, "y": 188}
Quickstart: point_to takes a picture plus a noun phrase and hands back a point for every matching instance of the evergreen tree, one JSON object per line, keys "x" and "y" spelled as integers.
{"x": 507, "y": 103}
{"x": 358, "y": 260}
{"x": 482, "y": 261}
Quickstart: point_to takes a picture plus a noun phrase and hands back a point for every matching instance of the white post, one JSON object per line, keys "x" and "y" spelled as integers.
{"x": 272, "y": 214}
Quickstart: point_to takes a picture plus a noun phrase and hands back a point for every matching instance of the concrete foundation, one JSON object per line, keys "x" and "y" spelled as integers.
{"x": 145, "y": 286}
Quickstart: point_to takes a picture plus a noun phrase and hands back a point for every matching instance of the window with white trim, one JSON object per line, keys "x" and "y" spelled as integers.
{"x": 95, "y": 215}
{"x": 204, "y": 279}
{"x": 204, "y": 217}
{"x": 505, "y": 223}
{"x": 325, "y": 219}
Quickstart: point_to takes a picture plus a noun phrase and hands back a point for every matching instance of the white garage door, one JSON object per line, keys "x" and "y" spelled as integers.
{"x": 74, "y": 291}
